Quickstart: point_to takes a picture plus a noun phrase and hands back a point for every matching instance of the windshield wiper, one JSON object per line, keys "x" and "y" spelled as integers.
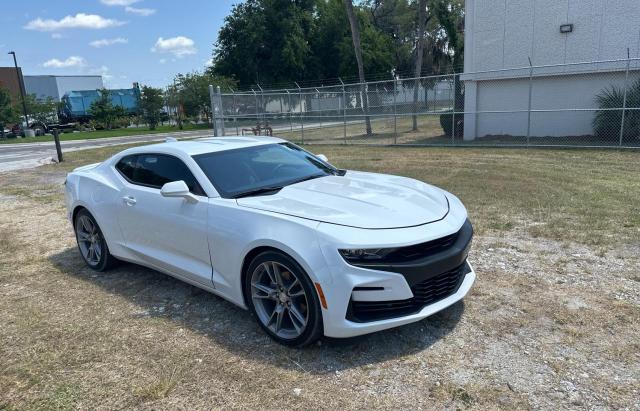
{"x": 311, "y": 177}
{"x": 259, "y": 191}
{"x": 275, "y": 189}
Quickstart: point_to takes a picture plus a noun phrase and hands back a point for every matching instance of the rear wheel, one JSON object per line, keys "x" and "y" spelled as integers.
{"x": 91, "y": 242}
{"x": 283, "y": 299}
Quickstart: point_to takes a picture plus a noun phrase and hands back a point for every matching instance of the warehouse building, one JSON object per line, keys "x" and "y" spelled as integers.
{"x": 10, "y": 80}
{"x": 505, "y": 34}
{"x": 57, "y": 86}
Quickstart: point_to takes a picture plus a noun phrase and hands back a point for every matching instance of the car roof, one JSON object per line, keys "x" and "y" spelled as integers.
{"x": 205, "y": 145}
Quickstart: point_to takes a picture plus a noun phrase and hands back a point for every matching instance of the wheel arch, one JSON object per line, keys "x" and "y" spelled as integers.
{"x": 253, "y": 253}
{"x": 76, "y": 210}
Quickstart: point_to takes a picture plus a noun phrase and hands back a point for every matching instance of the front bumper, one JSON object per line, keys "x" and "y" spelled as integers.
{"x": 343, "y": 328}
{"x": 396, "y": 295}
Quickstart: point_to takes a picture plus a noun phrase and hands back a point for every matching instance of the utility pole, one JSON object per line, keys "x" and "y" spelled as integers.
{"x": 21, "y": 87}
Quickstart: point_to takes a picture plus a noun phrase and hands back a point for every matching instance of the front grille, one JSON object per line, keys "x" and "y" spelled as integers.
{"x": 425, "y": 292}
{"x": 418, "y": 251}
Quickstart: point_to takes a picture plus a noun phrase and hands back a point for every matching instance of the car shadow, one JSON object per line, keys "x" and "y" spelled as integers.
{"x": 162, "y": 296}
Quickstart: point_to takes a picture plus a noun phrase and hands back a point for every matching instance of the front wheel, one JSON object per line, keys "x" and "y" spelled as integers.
{"x": 283, "y": 299}
{"x": 91, "y": 242}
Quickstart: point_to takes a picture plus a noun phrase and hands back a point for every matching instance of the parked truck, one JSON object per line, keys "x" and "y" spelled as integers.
{"x": 74, "y": 110}
{"x": 76, "y": 104}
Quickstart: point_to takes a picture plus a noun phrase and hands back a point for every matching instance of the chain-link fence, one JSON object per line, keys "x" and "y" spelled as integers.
{"x": 577, "y": 104}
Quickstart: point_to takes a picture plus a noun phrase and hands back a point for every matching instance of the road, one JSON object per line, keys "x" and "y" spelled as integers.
{"x": 28, "y": 155}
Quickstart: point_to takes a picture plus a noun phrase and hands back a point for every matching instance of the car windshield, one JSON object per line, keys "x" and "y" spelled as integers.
{"x": 260, "y": 170}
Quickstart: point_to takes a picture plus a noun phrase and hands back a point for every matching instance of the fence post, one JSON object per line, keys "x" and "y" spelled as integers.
{"x": 213, "y": 110}
{"x": 56, "y": 139}
{"x": 219, "y": 93}
{"x": 255, "y": 97}
{"x": 344, "y": 111}
{"x": 235, "y": 112}
{"x": 262, "y": 108}
{"x": 319, "y": 106}
{"x": 453, "y": 112}
{"x": 289, "y": 110}
{"x": 301, "y": 114}
{"x": 624, "y": 98}
{"x": 395, "y": 111}
{"x": 529, "y": 104}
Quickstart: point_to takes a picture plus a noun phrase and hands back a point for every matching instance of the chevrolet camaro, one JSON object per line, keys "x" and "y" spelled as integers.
{"x": 308, "y": 248}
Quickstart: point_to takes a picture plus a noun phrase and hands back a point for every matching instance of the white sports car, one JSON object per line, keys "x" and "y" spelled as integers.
{"x": 310, "y": 249}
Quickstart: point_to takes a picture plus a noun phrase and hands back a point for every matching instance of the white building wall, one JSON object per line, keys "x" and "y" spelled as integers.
{"x": 503, "y": 34}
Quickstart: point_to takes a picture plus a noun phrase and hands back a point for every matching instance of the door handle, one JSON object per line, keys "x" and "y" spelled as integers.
{"x": 129, "y": 200}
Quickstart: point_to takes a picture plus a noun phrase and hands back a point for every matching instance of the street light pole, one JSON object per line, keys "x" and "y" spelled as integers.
{"x": 21, "y": 87}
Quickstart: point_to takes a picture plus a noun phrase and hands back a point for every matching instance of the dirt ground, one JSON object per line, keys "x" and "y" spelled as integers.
{"x": 553, "y": 321}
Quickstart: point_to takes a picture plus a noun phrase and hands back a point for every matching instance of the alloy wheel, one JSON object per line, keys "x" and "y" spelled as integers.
{"x": 89, "y": 240}
{"x": 279, "y": 299}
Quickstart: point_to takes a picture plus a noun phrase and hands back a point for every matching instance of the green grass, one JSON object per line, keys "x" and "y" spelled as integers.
{"x": 583, "y": 196}
{"x": 120, "y": 132}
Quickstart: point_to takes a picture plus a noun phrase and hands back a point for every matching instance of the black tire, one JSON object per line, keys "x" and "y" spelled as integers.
{"x": 313, "y": 329}
{"x": 39, "y": 131}
{"x": 105, "y": 260}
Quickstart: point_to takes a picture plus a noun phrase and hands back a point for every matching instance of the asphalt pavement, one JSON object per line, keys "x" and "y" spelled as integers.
{"x": 27, "y": 155}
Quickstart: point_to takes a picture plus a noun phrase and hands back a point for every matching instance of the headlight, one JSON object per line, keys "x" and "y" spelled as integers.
{"x": 364, "y": 254}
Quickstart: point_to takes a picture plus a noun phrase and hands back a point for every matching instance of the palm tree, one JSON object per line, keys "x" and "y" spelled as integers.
{"x": 357, "y": 48}
{"x": 422, "y": 21}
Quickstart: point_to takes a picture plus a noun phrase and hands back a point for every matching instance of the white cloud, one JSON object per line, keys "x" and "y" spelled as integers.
{"x": 162, "y": 61}
{"x": 108, "y": 42}
{"x": 56, "y": 36}
{"x": 209, "y": 62}
{"x": 73, "y": 61}
{"x": 119, "y": 2}
{"x": 179, "y": 46}
{"x": 140, "y": 12}
{"x": 102, "y": 71}
{"x": 79, "y": 21}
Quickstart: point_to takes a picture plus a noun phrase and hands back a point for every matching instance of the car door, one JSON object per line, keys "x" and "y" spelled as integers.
{"x": 166, "y": 233}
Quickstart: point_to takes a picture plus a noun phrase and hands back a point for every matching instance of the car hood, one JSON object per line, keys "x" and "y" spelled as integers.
{"x": 357, "y": 199}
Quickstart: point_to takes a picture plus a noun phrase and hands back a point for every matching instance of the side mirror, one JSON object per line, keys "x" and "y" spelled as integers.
{"x": 178, "y": 189}
{"x": 322, "y": 157}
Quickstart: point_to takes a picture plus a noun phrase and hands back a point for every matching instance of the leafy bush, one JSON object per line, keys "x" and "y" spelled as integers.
{"x": 607, "y": 120}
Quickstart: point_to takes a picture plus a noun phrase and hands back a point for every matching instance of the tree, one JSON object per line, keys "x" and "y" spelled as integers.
{"x": 8, "y": 112}
{"x": 173, "y": 102}
{"x": 151, "y": 104}
{"x": 103, "y": 110}
{"x": 193, "y": 89}
{"x": 41, "y": 110}
{"x": 265, "y": 41}
{"x": 357, "y": 48}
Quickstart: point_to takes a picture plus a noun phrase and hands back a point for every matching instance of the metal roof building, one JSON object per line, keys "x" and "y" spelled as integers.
{"x": 57, "y": 86}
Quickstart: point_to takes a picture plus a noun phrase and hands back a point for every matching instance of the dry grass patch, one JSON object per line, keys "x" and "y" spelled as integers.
{"x": 552, "y": 322}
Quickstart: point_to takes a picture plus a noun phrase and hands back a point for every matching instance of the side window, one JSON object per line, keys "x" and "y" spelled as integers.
{"x": 155, "y": 170}
{"x": 127, "y": 166}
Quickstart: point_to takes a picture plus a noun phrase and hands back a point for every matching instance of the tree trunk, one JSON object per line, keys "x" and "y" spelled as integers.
{"x": 357, "y": 48}
{"x": 422, "y": 11}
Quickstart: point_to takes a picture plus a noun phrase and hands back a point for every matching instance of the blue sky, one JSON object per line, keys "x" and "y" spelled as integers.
{"x": 148, "y": 41}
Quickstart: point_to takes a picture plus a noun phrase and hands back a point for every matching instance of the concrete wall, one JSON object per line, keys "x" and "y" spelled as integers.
{"x": 503, "y": 34}
{"x": 58, "y": 86}
{"x": 576, "y": 92}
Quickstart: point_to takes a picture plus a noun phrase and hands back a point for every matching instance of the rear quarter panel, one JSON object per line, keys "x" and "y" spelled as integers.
{"x": 96, "y": 189}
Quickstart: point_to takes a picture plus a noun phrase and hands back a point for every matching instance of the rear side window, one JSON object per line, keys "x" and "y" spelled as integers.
{"x": 126, "y": 166}
{"x": 155, "y": 170}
